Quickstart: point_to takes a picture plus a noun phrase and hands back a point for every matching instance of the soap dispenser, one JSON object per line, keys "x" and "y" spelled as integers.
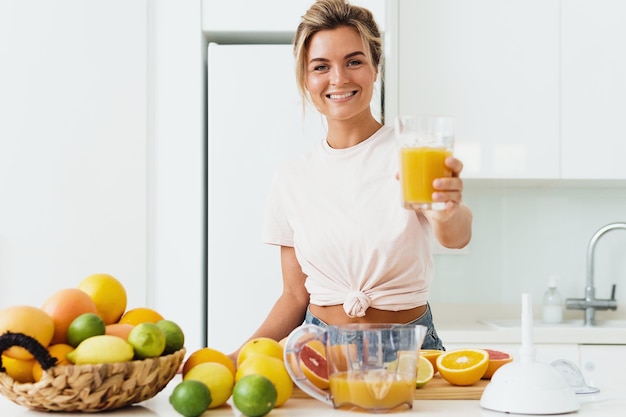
{"x": 552, "y": 303}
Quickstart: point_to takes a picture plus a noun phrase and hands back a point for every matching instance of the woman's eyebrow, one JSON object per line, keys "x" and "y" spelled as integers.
{"x": 350, "y": 55}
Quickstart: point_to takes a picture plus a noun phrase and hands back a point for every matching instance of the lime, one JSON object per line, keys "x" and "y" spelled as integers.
{"x": 254, "y": 395}
{"x": 190, "y": 398}
{"x": 217, "y": 377}
{"x": 147, "y": 339}
{"x": 174, "y": 337}
{"x": 83, "y": 327}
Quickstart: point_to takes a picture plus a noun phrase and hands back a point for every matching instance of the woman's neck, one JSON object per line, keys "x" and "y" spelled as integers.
{"x": 346, "y": 133}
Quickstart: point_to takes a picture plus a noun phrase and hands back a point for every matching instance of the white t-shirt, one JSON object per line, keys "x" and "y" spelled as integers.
{"x": 341, "y": 211}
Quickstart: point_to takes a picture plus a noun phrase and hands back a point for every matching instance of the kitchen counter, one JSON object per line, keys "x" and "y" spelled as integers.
{"x": 474, "y": 324}
{"x": 607, "y": 403}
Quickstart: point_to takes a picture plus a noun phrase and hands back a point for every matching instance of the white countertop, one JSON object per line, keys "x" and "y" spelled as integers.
{"x": 459, "y": 323}
{"x": 607, "y": 403}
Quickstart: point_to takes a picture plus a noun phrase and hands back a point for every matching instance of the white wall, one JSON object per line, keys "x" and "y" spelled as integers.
{"x": 522, "y": 234}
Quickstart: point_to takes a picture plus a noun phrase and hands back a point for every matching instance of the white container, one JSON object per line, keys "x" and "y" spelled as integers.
{"x": 552, "y": 303}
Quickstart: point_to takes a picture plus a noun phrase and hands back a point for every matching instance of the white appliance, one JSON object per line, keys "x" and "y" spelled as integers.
{"x": 255, "y": 121}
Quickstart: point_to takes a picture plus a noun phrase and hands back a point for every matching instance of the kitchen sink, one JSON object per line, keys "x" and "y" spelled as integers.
{"x": 516, "y": 323}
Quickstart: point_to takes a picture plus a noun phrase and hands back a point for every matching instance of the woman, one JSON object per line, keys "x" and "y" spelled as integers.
{"x": 349, "y": 252}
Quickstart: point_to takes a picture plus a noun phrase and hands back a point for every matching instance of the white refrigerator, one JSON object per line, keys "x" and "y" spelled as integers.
{"x": 255, "y": 121}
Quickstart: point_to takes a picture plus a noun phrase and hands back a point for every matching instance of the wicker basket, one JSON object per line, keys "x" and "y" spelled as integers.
{"x": 94, "y": 388}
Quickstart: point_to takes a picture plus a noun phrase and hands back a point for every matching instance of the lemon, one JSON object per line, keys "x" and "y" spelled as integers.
{"x": 147, "y": 339}
{"x": 174, "y": 336}
{"x": 254, "y": 395}
{"x": 108, "y": 294}
{"x": 83, "y": 327}
{"x": 425, "y": 372}
{"x": 101, "y": 349}
{"x": 218, "y": 379}
{"x": 271, "y": 368}
{"x": 260, "y": 346}
{"x": 190, "y": 398}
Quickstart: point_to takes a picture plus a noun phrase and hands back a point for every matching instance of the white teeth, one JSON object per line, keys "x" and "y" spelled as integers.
{"x": 340, "y": 96}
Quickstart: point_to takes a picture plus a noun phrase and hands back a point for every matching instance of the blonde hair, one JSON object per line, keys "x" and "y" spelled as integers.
{"x": 328, "y": 15}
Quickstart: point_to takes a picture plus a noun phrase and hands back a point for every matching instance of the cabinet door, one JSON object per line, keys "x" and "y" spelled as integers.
{"x": 603, "y": 366}
{"x": 495, "y": 66}
{"x": 73, "y": 160}
{"x": 593, "y": 89}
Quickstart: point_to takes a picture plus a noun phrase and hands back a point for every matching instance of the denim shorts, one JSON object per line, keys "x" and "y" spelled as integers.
{"x": 431, "y": 340}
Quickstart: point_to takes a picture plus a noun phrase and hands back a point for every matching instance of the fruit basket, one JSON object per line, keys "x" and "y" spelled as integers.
{"x": 92, "y": 388}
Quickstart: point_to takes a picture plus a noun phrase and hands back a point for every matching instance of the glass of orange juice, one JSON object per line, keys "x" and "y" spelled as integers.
{"x": 370, "y": 367}
{"x": 424, "y": 143}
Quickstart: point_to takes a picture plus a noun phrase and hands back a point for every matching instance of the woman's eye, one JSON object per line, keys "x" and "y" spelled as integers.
{"x": 320, "y": 68}
{"x": 354, "y": 62}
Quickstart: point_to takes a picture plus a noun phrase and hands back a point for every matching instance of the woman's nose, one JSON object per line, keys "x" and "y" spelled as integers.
{"x": 339, "y": 75}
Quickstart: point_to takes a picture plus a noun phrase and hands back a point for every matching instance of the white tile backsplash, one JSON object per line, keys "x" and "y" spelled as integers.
{"x": 523, "y": 234}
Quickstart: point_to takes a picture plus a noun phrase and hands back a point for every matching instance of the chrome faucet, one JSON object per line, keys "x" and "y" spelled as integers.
{"x": 590, "y": 304}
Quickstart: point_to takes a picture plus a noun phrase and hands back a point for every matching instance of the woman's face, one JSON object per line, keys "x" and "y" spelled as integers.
{"x": 339, "y": 78}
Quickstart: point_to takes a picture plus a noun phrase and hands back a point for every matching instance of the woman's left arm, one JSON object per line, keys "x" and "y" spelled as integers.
{"x": 452, "y": 226}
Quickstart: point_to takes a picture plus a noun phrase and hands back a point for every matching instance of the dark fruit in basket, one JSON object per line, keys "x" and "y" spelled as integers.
{"x": 31, "y": 344}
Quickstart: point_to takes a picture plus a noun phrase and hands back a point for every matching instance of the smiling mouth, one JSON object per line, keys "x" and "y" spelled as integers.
{"x": 340, "y": 96}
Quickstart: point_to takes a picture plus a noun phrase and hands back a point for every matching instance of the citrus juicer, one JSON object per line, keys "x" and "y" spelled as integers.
{"x": 527, "y": 386}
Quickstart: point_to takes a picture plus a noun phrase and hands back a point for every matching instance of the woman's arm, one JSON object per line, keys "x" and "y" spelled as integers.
{"x": 290, "y": 308}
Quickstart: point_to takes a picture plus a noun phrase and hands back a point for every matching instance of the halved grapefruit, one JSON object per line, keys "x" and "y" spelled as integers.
{"x": 496, "y": 360}
{"x": 314, "y": 364}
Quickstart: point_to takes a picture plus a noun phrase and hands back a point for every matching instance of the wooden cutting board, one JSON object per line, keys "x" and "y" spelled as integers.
{"x": 437, "y": 389}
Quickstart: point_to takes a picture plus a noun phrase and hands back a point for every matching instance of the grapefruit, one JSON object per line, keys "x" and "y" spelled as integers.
{"x": 314, "y": 365}
{"x": 64, "y": 306}
{"x": 31, "y": 321}
{"x": 496, "y": 360}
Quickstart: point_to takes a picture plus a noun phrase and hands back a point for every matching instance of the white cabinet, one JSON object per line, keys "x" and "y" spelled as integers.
{"x": 593, "y": 89}
{"x": 73, "y": 140}
{"x": 238, "y": 17}
{"x": 603, "y": 365}
{"x": 492, "y": 64}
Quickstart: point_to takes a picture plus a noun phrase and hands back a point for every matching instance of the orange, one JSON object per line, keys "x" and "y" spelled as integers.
{"x": 314, "y": 365}
{"x": 20, "y": 370}
{"x": 108, "y": 293}
{"x": 57, "y": 351}
{"x": 118, "y": 329}
{"x": 208, "y": 354}
{"x": 64, "y": 306}
{"x": 463, "y": 366}
{"x": 496, "y": 360}
{"x": 273, "y": 369}
{"x": 140, "y": 315}
{"x": 31, "y": 321}
{"x": 431, "y": 355}
{"x": 260, "y": 346}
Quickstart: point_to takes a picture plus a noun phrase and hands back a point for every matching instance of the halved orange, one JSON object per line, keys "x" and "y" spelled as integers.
{"x": 431, "y": 355}
{"x": 463, "y": 366}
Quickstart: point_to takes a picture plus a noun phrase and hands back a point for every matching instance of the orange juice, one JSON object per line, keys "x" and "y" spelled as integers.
{"x": 418, "y": 169}
{"x": 379, "y": 393}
